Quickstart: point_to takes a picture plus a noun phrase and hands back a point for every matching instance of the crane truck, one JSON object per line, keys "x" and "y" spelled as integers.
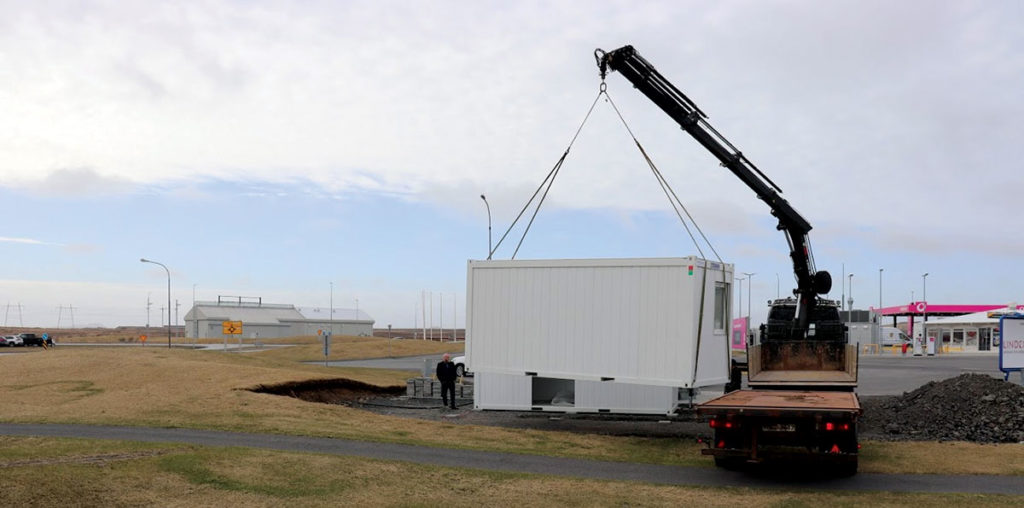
{"x": 800, "y": 404}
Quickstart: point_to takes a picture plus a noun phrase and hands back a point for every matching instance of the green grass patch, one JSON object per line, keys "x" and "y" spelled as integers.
{"x": 159, "y": 475}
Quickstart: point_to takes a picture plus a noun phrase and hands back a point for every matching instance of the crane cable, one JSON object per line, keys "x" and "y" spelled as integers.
{"x": 670, "y": 193}
{"x": 677, "y": 204}
{"x": 549, "y": 180}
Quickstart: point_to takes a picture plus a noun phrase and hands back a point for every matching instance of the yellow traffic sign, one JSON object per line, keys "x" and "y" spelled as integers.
{"x": 232, "y": 327}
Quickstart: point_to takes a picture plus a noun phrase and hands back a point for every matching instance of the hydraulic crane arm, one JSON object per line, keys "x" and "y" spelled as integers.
{"x": 679, "y": 107}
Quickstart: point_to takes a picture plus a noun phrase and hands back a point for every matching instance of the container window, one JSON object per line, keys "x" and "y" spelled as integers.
{"x": 722, "y": 300}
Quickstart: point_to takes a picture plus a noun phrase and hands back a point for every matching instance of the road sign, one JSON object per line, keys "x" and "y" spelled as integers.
{"x": 232, "y": 327}
{"x": 1011, "y": 345}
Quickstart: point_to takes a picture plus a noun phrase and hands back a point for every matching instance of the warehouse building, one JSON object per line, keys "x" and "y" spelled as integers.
{"x": 269, "y": 320}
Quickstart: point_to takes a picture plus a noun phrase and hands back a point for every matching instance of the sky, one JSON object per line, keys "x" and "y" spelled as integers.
{"x": 325, "y": 152}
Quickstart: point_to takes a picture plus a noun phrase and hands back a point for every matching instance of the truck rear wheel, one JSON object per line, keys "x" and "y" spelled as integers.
{"x": 728, "y": 463}
{"x": 847, "y": 468}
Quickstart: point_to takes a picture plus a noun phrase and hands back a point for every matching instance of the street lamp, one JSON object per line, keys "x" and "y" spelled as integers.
{"x": 489, "y": 250}
{"x": 144, "y": 260}
{"x": 849, "y": 313}
{"x": 880, "y": 270}
{"x": 750, "y": 289}
{"x": 740, "y": 296}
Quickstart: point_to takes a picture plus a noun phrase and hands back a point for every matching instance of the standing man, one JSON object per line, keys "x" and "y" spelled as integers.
{"x": 446, "y": 375}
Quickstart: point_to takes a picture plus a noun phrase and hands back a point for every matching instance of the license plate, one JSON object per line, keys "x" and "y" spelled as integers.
{"x": 780, "y": 427}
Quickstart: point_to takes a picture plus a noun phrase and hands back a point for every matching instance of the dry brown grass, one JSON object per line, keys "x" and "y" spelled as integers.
{"x": 356, "y": 348}
{"x": 199, "y": 476}
{"x": 944, "y": 458}
{"x": 204, "y": 389}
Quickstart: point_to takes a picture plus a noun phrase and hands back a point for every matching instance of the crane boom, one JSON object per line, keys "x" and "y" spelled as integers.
{"x": 679, "y": 107}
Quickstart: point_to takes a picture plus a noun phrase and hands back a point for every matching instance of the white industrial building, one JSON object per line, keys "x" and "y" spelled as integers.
{"x": 596, "y": 335}
{"x": 269, "y": 321}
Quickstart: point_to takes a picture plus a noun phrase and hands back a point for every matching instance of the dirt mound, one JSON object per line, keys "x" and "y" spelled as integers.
{"x": 969, "y": 407}
{"x": 329, "y": 391}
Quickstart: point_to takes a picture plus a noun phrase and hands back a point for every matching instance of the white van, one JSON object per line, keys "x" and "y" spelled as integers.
{"x": 893, "y": 336}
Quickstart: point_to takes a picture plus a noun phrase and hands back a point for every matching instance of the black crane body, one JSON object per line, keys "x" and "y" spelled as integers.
{"x": 810, "y": 283}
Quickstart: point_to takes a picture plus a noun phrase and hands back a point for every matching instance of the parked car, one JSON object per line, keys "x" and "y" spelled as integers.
{"x": 31, "y": 339}
{"x": 3, "y": 341}
{"x": 460, "y": 366}
{"x": 13, "y": 340}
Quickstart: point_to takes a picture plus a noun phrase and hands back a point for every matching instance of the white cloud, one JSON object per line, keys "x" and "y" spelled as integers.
{"x": 27, "y": 241}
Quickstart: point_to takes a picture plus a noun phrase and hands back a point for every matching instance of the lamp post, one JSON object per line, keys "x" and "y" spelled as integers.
{"x": 740, "y": 296}
{"x": 332, "y": 306}
{"x": 389, "y": 341}
{"x": 488, "y": 225}
{"x": 750, "y": 289}
{"x": 144, "y": 260}
{"x": 849, "y": 313}
{"x": 880, "y": 270}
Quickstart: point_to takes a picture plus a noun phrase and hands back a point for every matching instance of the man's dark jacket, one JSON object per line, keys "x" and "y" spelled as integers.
{"x": 446, "y": 372}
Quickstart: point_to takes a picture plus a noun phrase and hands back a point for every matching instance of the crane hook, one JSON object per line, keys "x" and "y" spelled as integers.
{"x": 602, "y": 63}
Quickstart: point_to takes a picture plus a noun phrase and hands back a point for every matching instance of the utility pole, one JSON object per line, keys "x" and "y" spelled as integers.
{"x": 176, "y": 305}
{"x": 740, "y": 295}
{"x": 849, "y": 313}
{"x": 750, "y": 289}
{"x": 880, "y": 270}
{"x": 148, "y": 305}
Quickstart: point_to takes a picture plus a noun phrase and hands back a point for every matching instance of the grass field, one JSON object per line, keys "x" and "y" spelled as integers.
{"x": 61, "y": 472}
{"x": 164, "y": 387}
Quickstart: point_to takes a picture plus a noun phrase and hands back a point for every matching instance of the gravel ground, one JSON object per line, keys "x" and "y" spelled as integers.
{"x": 969, "y": 407}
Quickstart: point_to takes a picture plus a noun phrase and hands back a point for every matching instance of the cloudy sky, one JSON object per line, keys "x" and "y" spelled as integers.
{"x": 273, "y": 149}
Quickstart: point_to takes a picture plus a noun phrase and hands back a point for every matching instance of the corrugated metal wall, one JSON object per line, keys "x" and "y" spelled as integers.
{"x": 634, "y": 320}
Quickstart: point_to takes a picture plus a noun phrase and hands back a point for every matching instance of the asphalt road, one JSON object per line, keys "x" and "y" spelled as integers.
{"x": 889, "y": 374}
{"x": 414, "y": 363}
{"x": 555, "y": 466}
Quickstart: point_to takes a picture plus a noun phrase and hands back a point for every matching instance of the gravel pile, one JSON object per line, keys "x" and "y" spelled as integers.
{"x": 969, "y": 407}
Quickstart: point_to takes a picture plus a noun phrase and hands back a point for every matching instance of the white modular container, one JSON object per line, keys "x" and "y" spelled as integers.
{"x": 656, "y": 322}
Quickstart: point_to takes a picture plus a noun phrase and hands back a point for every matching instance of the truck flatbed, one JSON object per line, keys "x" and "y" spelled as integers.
{"x": 778, "y": 402}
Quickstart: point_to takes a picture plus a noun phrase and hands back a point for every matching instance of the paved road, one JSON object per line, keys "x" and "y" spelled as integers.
{"x": 414, "y": 363}
{"x": 494, "y": 461}
{"x": 892, "y": 375}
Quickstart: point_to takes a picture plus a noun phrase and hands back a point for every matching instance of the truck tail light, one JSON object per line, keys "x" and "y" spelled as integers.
{"x": 723, "y": 424}
{"x": 830, "y": 426}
